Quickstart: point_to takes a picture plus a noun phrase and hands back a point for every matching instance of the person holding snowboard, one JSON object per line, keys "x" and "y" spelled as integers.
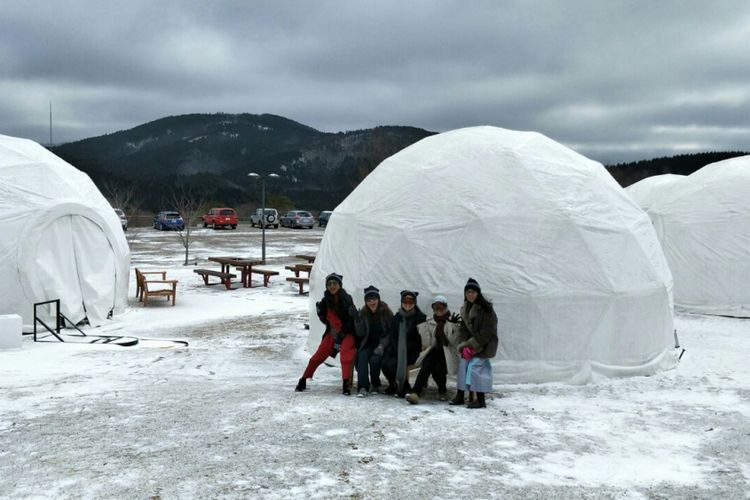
{"x": 337, "y": 312}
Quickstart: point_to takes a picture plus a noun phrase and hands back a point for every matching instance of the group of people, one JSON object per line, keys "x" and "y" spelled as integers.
{"x": 375, "y": 340}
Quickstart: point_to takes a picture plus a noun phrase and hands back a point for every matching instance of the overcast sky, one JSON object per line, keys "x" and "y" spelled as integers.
{"x": 614, "y": 80}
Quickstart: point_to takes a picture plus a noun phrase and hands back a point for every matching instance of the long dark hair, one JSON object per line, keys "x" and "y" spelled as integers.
{"x": 485, "y": 304}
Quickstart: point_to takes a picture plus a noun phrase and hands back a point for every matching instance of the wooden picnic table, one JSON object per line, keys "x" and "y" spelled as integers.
{"x": 308, "y": 258}
{"x": 244, "y": 265}
{"x": 298, "y": 268}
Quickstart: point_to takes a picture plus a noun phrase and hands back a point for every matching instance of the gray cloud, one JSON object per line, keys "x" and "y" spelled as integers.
{"x": 614, "y": 80}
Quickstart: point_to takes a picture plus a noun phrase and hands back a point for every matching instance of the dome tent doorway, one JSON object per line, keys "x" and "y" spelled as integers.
{"x": 573, "y": 266}
{"x": 59, "y": 238}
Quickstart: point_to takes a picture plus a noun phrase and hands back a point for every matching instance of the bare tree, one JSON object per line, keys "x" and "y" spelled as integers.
{"x": 121, "y": 196}
{"x": 189, "y": 202}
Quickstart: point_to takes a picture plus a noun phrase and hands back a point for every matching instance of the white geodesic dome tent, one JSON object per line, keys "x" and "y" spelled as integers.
{"x": 59, "y": 238}
{"x": 703, "y": 223}
{"x": 651, "y": 190}
{"x": 572, "y": 265}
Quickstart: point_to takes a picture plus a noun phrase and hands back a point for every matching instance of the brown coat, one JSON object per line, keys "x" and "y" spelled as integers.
{"x": 479, "y": 330}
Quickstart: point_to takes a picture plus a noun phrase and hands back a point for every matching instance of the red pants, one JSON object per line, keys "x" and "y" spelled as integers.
{"x": 325, "y": 349}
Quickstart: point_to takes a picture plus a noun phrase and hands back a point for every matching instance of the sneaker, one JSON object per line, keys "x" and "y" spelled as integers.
{"x": 443, "y": 396}
{"x": 413, "y": 398}
{"x": 375, "y": 389}
{"x": 390, "y": 390}
{"x": 362, "y": 393}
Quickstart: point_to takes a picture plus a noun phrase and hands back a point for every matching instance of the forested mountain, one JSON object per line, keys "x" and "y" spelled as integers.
{"x": 629, "y": 173}
{"x": 215, "y": 152}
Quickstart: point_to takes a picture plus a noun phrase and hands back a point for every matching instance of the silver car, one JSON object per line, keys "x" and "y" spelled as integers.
{"x": 298, "y": 218}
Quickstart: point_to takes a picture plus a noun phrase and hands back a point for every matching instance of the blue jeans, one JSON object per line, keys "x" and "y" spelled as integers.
{"x": 368, "y": 368}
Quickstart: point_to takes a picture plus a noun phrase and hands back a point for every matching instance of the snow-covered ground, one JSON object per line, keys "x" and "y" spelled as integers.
{"x": 221, "y": 419}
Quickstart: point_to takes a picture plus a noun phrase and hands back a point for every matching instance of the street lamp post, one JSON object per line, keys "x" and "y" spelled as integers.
{"x": 263, "y": 208}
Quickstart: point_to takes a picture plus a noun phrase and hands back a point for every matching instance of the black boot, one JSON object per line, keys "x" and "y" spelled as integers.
{"x": 347, "y": 389}
{"x": 458, "y": 400}
{"x": 479, "y": 403}
{"x": 390, "y": 390}
{"x": 301, "y": 385}
{"x": 405, "y": 389}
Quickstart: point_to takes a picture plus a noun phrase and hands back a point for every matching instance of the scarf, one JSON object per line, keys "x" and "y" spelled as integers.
{"x": 440, "y": 340}
{"x": 401, "y": 348}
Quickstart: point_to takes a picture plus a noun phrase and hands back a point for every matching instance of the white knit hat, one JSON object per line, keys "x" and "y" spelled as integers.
{"x": 439, "y": 298}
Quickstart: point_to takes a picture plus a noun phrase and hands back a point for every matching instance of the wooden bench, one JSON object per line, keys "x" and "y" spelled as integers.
{"x": 267, "y": 273}
{"x": 300, "y": 281}
{"x": 299, "y": 268}
{"x": 226, "y": 278}
{"x": 308, "y": 258}
{"x": 149, "y": 290}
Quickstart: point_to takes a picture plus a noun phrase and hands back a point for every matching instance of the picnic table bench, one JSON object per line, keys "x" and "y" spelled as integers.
{"x": 299, "y": 281}
{"x": 298, "y": 268}
{"x": 267, "y": 273}
{"x": 226, "y": 278}
{"x": 309, "y": 258}
{"x": 245, "y": 266}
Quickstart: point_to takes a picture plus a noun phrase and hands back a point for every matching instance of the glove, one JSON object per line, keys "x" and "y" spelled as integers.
{"x": 468, "y": 353}
{"x": 455, "y": 318}
{"x": 378, "y": 350}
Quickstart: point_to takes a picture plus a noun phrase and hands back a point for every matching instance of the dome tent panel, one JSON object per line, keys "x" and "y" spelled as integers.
{"x": 59, "y": 237}
{"x": 530, "y": 220}
{"x": 653, "y": 189}
{"x": 704, "y": 229}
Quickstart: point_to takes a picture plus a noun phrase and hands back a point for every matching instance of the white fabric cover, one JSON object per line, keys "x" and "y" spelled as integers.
{"x": 59, "y": 238}
{"x": 703, "y": 223}
{"x": 573, "y": 266}
{"x": 651, "y": 190}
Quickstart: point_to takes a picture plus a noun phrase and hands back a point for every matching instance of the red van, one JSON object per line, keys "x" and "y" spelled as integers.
{"x": 220, "y": 217}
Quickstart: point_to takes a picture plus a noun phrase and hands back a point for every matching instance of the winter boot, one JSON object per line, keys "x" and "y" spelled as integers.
{"x": 347, "y": 389}
{"x": 458, "y": 400}
{"x": 478, "y": 403}
{"x": 301, "y": 385}
{"x": 413, "y": 398}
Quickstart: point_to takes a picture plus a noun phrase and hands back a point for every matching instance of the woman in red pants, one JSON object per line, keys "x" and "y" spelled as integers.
{"x": 337, "y": 312}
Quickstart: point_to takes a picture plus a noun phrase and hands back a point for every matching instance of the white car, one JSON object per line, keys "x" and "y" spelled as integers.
{"x": 123, "y": 219}
{"x": 271, "y": 218}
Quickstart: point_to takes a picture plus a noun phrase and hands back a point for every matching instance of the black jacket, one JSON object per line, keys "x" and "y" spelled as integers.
{"x": 413, "y": 340}
{"x": 362, "y": 324}
{"x": 344, "y": 309}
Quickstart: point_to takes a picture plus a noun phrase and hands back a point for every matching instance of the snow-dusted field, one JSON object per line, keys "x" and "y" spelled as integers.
{"x": 220, "y": 418}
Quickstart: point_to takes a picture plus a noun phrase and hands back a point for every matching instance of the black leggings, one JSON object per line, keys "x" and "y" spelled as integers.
{"x": 432, "y": 364}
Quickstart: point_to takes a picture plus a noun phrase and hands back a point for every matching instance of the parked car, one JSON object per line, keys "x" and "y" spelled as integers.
{"x": 169, "y": 219}
{"x": 323, "y": 218}
{"x": 123, "y": 219}
{"x": 271, "y": 218}
{"x": 298, "y": 218}
{"x": 220, "y": 217}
